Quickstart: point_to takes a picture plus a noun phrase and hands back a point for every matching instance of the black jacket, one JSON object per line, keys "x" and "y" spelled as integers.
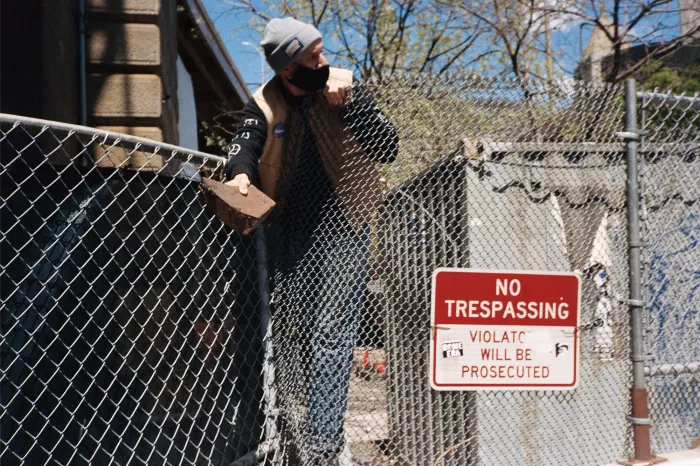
{"x": 371, "y": 128}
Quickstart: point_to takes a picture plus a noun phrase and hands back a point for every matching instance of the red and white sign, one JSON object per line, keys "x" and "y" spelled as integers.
{"x": 504, "y": 330}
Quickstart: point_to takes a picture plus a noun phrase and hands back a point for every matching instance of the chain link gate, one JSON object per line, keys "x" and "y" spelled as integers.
{"x": 135, "y": 326}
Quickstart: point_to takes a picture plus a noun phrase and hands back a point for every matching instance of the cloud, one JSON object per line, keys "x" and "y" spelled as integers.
{"x": 562, "y": 22}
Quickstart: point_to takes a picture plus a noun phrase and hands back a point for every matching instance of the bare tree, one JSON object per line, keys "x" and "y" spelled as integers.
{"x": 517, "y": 33}
{"x": 379, "y": 38}
{"x": 652, "y": 24}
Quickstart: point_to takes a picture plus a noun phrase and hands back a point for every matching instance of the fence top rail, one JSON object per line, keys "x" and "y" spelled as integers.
{"x": 486, "y": 149}
{"x": 6, "y": 118}
{"x": 668, "y": 99}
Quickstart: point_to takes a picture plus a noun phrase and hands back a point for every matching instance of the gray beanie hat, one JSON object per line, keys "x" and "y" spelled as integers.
{"x": 285, "y": 39}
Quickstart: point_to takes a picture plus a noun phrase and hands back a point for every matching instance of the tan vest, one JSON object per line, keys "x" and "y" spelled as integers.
{"x": 354, "y": 176}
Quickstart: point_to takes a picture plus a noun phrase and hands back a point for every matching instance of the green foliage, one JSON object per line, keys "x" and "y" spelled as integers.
{"x": 677, "y": 122}
{"x": 686, "y": 79}
{"x": 216, "y": 142}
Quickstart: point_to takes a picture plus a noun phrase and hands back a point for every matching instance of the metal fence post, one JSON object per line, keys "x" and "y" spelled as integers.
{"x": 269, "y": 387}
{"x": 640, "y": 405}
{"x": 269, "y": 399}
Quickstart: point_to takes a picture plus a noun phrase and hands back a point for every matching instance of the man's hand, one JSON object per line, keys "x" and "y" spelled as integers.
{"x": 242, "y": 181}
{"x": 335, "y": 93}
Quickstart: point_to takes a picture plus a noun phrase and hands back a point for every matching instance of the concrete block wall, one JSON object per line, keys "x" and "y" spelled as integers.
{"x": 124, "y": 44}
{"x": 131, "y": 66}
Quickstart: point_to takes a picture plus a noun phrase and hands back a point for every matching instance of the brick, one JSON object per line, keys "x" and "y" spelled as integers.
{"x": 238, "y": 212}
{"x": 149, "y": 132}
{"x": 125, "y": 96}
{"x": 145, "y": 161}
{"x": 124, "y": 44}
{"x": 121, "y": 7}
{"x": 117, "y": 156}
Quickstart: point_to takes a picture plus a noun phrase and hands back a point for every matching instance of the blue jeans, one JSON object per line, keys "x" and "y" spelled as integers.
{"x": 319, "y": 294}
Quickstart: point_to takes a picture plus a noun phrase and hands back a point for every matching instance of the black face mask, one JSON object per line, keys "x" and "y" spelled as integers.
{"x": 310, "y": 79}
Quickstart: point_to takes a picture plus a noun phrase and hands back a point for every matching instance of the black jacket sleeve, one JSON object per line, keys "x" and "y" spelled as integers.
{"x": 247, "y": 144}
{"x": 371, "y": 127}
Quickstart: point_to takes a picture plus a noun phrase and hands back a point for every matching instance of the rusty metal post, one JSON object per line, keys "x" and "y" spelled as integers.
{"x": 640, "y": 406}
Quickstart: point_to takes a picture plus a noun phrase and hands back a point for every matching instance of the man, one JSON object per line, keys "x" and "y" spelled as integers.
{"x": 310, "y": 141}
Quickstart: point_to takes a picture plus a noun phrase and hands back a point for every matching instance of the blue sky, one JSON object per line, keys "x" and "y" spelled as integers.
{"x": 235, "y": 30}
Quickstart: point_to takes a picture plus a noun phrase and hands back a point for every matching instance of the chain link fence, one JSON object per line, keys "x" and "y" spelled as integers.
{"x": 670, "y": 174}
{"x": 136, "y": 329}
{"x": 493, "y": 175}
{"x": 126, "y": 324}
